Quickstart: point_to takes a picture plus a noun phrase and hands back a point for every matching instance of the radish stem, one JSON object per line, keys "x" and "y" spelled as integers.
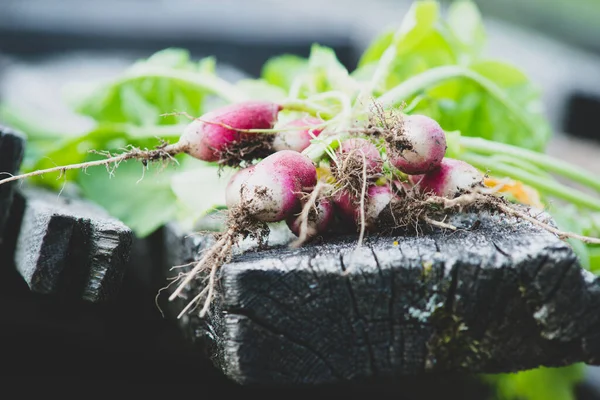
{"x": 308, "y": 107}
{"x": 319, "y": 147}
{"x": 544, "y": 161}
{"x": 544, "y": 185}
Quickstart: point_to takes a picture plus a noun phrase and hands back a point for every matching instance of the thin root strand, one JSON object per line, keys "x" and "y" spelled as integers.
{"x": 200, "y": 265}
{"x": 305, "y": 215}
{"x": 438, "y": 224}
{"x": 363, "y": 194}
{"x": 163, "y": 153}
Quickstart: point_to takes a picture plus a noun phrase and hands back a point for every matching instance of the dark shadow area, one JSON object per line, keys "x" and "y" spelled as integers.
{"x": 582, "y": 111}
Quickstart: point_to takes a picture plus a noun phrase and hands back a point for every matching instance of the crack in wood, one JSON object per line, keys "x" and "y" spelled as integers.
{"x": 573, "y": 262}
{"x": 358, "y": 317}
{"x": 274, "y": 331}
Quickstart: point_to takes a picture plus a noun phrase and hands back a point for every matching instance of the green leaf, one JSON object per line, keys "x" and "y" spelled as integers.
{"x": 501, "y": 125}
{"x": 136, "y": 108}
{"x": 418, "y": 23}
{"x": 424, "y": 42}
{"x": 538, "y": 384}
{"x": 190, "y": 185}
{"x": 492, "y": 100}
{"x": 594, "y": 258}
{"x": 171, "y": 57}
{"x": 568, "y": 218}
{"x": 416, "y": 46}
{"x": 433, "y": 50}
{"x": 166, "y": 82}
{"x": 464, "y": 20}
{"x": 207, "y": 65}
{"x": 260, "y": 89}
{"x": 283, "y": 70}
{"x": 327, "y": 73}
{"x": 141, "y": 198}
{"x": 376, "y": 48}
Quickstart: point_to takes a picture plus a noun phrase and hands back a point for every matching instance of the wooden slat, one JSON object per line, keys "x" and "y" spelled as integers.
{"x": 70, "y": 247}
{"x": 12, "y": 146}
{"x": 498, "y": 295}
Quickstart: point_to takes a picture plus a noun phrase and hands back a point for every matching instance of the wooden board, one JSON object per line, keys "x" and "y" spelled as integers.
{"x": 498, "y": 295}
{"x": 70, "y": 247}
{"x": 12, "y": 146}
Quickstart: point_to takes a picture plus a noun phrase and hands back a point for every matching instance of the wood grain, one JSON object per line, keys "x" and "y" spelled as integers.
{"x": 498, "y": 295}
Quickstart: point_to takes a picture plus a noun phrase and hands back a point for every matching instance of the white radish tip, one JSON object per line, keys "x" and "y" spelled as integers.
{"x": 451, "y": 178}
{"x": 427, "y": 146}
{"x": 298, "y": 139}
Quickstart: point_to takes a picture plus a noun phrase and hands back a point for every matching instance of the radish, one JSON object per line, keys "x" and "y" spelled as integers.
{"x": 318, "y": 221}
{"x": 222, "y": 135}
{"x": 420, "y": 147}
{"x": 298, "y": 139}
{"x": 210, "y": 138}
{"x": 351, "y": 152}
{"x": 271, "y": 190}
{"x": 451, "y": 178}
{"x": 346, "y": 205}
{"x": 234, "y": 187}
{"x": 377, "y": 199}
{"x": 357, "y": 165}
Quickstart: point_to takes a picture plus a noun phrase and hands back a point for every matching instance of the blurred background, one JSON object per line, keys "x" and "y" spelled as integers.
{"x": 554, "y": 41}
{"x": 45, "y": 44}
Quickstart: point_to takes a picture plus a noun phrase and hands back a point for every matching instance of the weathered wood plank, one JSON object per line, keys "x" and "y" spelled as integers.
{"x": 12, "y": 147}
{"x": 70, "y": 247}
{"x": 498, "y": 295}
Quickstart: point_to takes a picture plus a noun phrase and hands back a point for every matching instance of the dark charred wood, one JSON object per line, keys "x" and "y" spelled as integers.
{"x": 70, "y": 247}
{"x": 12, "y": 147}
{"x": 497, "y": 295}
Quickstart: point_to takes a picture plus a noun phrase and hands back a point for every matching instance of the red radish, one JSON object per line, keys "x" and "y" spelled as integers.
{"x": 298, "y": 139}
{"x": 352, "y": 150}
{"x": 346, "y": 205}
{"x": 421, "y": 146}
{"x": 209, "y": 138}
{"x": 450, "y": 179}
{"x": 318, "y": 223}
{"x": 234, "y": 187}
{"x": 378, "y": 198}
{"x": 271, "y": 191}
{"x": 293, "y": 163}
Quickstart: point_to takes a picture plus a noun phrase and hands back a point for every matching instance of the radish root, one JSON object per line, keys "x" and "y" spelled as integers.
{"x": 210, "y": 253}
{"x": 160, "y": 153}
{"x": 363, "y": 194}
{"x": 311, "y": 205}
{"x": 489, "y": 201}
{"x": 239, "y": 226}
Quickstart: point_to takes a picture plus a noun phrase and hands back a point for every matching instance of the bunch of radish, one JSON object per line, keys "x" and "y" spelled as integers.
{"x": 321, "y": 176}
{"x": 363, "y": 174}
{"x": 369, "y": 177}
{"x": 364, "y": 178}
